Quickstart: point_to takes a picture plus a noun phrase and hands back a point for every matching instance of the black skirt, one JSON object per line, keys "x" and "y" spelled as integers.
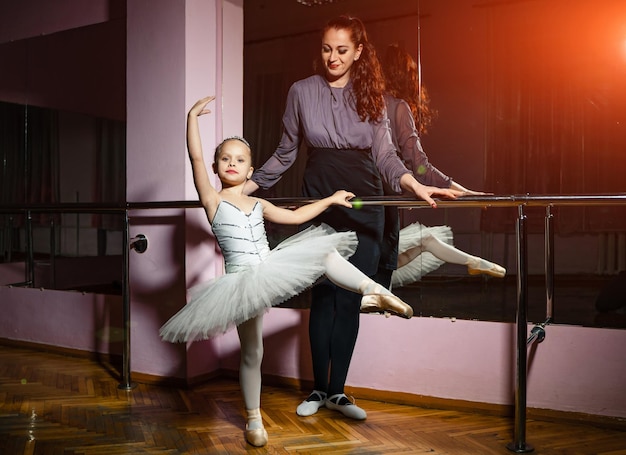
{"x": 329, "y": 170}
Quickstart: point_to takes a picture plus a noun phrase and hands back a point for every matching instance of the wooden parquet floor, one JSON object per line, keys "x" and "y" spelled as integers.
{"x": 51, "y": 404}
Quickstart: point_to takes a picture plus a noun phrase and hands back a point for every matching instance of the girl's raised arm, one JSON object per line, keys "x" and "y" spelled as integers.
{"x": 206, "y": 192}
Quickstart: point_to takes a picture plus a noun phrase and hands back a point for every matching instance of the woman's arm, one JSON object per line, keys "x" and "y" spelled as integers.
{"x": 394, "y": 171}
{"x": 408, "y": 183}
{"x": 306, "y": 212}
{"x": 410, "y": 148}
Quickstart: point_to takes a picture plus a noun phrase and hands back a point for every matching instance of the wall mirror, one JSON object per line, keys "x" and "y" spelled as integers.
{"x": 530, "y": 97}
{"x": 62, "y": 117}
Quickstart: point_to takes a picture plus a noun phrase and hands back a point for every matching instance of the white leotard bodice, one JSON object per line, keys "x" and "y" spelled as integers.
{"x": 241, "y": 237}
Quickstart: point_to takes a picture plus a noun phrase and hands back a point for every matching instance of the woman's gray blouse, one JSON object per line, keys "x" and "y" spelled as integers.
{"x": 325, "y": 117}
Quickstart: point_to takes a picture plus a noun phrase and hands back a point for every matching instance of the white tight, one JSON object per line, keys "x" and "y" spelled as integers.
{"x": 345, "y": 275}
{"x": 437, "y": 248}
{"x": 251, "y": 341}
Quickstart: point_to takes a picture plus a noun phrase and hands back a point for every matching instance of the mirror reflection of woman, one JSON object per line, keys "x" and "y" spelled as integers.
{"x": 339, "y": 113}
{"x": 416, "y": 250}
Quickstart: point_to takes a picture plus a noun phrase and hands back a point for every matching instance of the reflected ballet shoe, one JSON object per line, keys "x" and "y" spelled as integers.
{"x": 383, "y": 303}
{"x": 256, "y": 435}
{"x": 342, "y": 403}
{"x": 483, "y": 267}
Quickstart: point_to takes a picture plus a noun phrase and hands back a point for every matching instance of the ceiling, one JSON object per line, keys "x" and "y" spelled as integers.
{"x": 273, "y": 19}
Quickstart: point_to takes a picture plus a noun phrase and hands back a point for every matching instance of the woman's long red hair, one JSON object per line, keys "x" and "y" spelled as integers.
{"x": 402, "y": 81}
{"x": 366, "y": 74}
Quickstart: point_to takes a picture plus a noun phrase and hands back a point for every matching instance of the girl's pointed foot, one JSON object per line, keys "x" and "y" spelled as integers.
{"x": 385, "y": 303}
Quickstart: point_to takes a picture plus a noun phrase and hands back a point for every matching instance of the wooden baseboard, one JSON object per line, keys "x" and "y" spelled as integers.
{"x": 113, "y": 359}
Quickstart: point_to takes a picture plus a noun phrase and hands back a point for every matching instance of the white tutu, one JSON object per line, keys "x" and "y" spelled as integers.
{"x": 222, "y": 303}
{"x": 410, "y": 237}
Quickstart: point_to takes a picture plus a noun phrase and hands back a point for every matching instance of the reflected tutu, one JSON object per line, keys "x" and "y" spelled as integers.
{"x": 411, "y": 236}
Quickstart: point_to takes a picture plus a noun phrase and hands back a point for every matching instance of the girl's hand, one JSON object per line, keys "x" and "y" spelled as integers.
{"x": 342, "y": 197}
{"x": 200, "y": 108}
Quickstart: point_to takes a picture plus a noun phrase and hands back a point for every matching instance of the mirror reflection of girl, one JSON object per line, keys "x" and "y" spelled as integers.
{"x": 420, "y": 249}
{"x": 257, "y": 278}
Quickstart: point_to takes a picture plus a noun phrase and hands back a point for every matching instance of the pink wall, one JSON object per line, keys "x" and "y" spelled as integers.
{"x": 177, "y": 52}
{"x": 575, "y": 369}
{"x": 214, "y": 33}
{"x": 171, "y": 53}
{"x": 156, "y": 59}
{"x": 74, "y": 320}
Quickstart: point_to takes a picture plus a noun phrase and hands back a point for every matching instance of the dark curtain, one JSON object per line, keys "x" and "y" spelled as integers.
{"x": 13, "y": 153}
{"x": 110, "y": 171}
{"x": 556, "y": 109}
{"x": 263, "y": 128}
{"x": 30, "y": 151}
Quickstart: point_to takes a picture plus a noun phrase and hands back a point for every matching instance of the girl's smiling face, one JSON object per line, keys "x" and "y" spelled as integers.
{"x": 234, "y": 163}
{"x": 339, "y": 53}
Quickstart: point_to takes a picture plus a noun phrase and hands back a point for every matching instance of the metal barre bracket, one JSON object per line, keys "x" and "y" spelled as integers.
{"x": 538, "y": 334}
{"x": 139, "y": 243}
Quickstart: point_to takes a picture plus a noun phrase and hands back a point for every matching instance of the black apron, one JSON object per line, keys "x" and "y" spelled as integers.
{"x": 329, "y": 170}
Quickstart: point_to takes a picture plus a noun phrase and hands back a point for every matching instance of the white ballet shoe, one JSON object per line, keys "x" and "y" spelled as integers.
{"x": 340, "y": 402}
{"x": 312, "y": 404}
{"x": 387, "y": 304}
{"x": 256, "y": 434}
{"x": 483, "y": 267}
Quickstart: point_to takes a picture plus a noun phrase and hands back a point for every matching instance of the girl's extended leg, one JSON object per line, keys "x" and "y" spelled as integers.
{"x": 376, "y": 297}
{"x": 251, "y": 340}
{"x": 452, "y": 255}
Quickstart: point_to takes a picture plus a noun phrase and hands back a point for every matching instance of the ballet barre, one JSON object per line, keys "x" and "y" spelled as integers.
{"x": 139, "y": 244}
{"x": 484, "y": 201}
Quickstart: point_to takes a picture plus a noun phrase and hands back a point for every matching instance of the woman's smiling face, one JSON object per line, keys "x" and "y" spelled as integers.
{"x": 339, "y": 53}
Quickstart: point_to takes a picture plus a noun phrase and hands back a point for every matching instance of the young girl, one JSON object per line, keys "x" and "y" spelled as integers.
{"x": 257, "y": 278}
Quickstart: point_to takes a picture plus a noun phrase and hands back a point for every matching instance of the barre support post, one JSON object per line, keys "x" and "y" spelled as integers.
{"x": 519, "y": 444}
{"x": 126, "y": 383}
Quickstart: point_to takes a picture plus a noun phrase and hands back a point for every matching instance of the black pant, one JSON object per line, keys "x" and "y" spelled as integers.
{"x": 335, "y": 312}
